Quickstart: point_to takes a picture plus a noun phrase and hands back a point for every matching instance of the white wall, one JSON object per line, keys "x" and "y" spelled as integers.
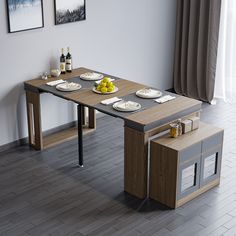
{"x": 127, "y": 38}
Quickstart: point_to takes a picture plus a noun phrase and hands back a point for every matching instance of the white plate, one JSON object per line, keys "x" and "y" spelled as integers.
{"x": 126, "y": 106}
{"x": 91, "y": 76}
{"x": 96, "y": 91}
{"x": 68, "y": 87}
{"x": 148, "y": 93}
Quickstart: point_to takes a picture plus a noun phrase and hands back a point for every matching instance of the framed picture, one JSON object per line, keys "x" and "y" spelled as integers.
{"x": 67, "y": 11}
{"x": 24, "y": 15}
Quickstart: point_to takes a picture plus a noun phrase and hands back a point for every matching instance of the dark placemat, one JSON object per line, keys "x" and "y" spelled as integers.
{"x": 145, "y": 103}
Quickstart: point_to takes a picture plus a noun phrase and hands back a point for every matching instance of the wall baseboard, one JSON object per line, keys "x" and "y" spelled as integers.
{"x": 17, "y": 143}
{"x": 24, "y": 141}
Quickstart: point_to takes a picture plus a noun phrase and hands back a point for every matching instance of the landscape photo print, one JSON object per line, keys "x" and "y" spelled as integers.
{"x": 24, "y": 15}
{"x": 69, "y": 11}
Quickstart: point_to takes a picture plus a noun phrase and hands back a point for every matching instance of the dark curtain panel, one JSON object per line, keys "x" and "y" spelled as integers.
{"x": 197, "y": 33}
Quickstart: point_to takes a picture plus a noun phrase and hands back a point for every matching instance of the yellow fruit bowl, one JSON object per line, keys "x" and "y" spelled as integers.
{"x": 100, "y": 92}
{"x": 105, "y": 87}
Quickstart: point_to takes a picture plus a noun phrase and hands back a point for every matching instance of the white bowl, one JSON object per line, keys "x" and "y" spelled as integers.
{"x": 55, "y": 73}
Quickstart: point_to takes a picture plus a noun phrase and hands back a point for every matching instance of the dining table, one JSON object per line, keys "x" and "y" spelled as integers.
{"x": 139, "y": 126}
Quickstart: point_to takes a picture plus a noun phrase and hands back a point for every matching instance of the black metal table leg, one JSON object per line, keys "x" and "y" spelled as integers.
{"x": 80, "y": 134}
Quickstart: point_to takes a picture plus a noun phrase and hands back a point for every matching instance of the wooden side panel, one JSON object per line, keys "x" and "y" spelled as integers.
{"x": 37, "y": 122}
{"x": 163, "y": 174}
{"x": 34, "y": 119}
{"x": 92, "y": 118}
{"x": 135, "y": 163}
{"x": 29, "y": 107}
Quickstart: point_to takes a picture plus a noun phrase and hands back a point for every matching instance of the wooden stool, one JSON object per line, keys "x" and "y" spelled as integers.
{"x": 184, "y": 167}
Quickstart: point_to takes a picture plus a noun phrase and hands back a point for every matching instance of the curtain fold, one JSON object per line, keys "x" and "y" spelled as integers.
{"x": 197, "y": 33}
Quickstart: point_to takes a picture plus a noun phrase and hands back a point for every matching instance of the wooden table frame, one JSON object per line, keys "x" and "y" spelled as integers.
{"x": 138, "y": 127}
{"x": 36, "y": 139}
{"x": 136, "y": 157}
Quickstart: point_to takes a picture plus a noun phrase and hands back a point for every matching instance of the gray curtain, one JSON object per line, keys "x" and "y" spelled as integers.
{"x": 197, "y": 33}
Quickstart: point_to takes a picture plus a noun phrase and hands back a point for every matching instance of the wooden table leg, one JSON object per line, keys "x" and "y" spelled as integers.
{"x": 34, "y": 120}
{"x": 135, "y": 163}
{"x": 92, "y": 118}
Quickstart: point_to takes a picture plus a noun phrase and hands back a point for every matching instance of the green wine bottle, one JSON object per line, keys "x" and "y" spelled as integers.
{"x": 68, "y": 61}
{"x": 62, "y": 62}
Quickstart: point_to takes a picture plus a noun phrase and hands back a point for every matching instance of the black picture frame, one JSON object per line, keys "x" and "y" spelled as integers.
{"x": 21, "y": 16}
{"x": 67, "y": 15}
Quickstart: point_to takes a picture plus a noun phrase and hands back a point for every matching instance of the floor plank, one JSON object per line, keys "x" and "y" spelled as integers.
{"x": 43, "y": 193}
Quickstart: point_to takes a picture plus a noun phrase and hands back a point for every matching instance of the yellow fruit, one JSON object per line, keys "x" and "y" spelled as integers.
{"x": 109, "y": 84}
{"x": 98, "y": 88}
{"x": 102, "y": 84}
{"x": 105, "y": 79}
{"x": 110, "y": 89}
{"x": 104, "y": 89}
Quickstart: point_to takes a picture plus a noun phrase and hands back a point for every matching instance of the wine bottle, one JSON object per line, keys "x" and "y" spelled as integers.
{"x": 62, "y": 62}
{"x": 68, "y": 61}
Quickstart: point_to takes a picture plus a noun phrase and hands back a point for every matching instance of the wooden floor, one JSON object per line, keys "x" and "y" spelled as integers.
{"x": 43, "y": 193}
